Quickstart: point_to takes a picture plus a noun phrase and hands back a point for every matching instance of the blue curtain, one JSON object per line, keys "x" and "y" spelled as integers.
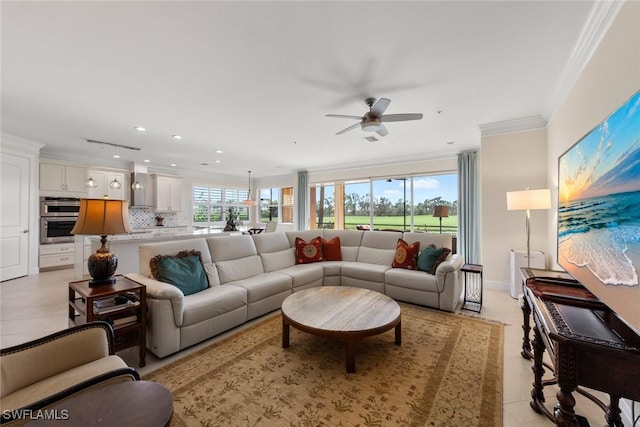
{"x": 302, "y": 200}
{"x": 468, "y": 228}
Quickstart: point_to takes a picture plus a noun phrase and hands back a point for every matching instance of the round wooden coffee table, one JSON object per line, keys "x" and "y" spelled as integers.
{"x": 341, "y": 312}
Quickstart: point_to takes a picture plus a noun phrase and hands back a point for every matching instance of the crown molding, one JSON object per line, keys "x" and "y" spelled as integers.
{"x": 511, "y": 126}
{"x": 17, "y": 144}
{"x": 600, "y": 18}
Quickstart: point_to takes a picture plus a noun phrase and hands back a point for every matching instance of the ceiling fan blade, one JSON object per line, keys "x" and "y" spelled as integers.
{"x": 382, "y": 131}
{"x": 380, "y": 106}
{"x": 401, "y": 117}
{"x": 353, "y": 126}
{"x": 341, "y": 116}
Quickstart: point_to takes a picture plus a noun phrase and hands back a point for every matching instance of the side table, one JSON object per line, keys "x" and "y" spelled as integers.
{"x": 472, "y": 287}
{"x": 128, "y": 317}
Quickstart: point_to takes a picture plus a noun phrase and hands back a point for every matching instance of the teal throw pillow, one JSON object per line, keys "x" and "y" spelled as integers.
{"x": 430, "y": 258}
{"x": 184, "y": 271}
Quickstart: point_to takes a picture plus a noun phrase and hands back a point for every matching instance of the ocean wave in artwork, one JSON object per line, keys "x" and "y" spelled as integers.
{"x": 603, "y": 252}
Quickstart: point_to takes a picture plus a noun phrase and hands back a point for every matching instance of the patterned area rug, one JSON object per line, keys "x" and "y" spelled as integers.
{"x": 447, "y": 372}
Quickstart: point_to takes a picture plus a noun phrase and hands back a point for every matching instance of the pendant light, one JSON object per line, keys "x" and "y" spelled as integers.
{"x": 115, "y": 184}
{"x": 137, "y": 185}
{"x": 249, "y": 201}
{"x": 91, "y": 183}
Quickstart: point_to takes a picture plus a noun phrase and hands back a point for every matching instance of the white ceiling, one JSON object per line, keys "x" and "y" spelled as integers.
{"x": 255, "y": 79}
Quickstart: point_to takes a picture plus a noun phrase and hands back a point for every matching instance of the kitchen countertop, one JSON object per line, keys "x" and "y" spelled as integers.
{"x": 165, "y": 233}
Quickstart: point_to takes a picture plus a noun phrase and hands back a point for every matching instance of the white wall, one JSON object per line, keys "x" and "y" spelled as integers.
{"x": 510, "y": 162}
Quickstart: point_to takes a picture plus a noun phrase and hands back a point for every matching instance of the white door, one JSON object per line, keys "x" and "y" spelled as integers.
{"x": 14, "y": 217}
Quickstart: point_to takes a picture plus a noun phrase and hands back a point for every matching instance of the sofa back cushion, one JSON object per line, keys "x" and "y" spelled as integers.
{"x": 305, "y": 235}
{"x": 349, "y": 242}
{"x": 378, "y": 247}
{"x": 439, "y": 240}
{"x": 149, "y": 250}
{"x": 274, "y": 251}
{"x": 235, "y": 257}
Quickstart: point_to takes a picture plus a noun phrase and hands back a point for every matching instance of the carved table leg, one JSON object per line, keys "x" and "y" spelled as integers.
{"x": 565, "y": 362}
{"x": 537, "y": 395}
{"x": 613, "y": 413}
{"x": 564, "y": 414}
{"x": 526, "y": 344}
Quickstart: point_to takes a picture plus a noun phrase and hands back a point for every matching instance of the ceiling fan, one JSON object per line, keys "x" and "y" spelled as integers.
{"x": 372, "y": 121}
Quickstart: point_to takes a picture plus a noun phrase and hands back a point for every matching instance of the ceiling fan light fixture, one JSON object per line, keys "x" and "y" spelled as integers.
{"x": 370, "y": 127}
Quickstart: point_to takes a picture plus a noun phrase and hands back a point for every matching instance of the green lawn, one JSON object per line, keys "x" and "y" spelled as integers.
{"x": 449, "y": 224}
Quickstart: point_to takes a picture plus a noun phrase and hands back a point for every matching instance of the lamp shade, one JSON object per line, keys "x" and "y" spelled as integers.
{"x": 529, "y": 199}
{"x": 249, "y": 202}
{"x": 102, "y": 217}
{"x": 441, "y": 211}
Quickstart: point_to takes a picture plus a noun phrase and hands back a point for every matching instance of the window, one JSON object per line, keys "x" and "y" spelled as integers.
{"x": 276, "y": 203}
{"x": 402, "y": 203}
{"x": 210, "y": 205}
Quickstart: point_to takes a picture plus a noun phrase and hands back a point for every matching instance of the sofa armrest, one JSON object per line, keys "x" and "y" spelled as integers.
{"x": 453, "y": 264}
{"x": 161, "y": 290}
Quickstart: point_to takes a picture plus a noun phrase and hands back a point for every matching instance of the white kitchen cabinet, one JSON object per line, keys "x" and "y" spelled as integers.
{"x": 102, "y": 188}
{"x": 168, "y": 193}
{"x": 56, "y": 255}
{"x": 56, "y": 177}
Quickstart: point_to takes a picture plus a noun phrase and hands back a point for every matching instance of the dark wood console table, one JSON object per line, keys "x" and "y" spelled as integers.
{"x": 582, "y": 336}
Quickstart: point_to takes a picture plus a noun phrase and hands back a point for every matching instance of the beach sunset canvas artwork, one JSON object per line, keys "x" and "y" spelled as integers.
{"x": 599, "y": 205}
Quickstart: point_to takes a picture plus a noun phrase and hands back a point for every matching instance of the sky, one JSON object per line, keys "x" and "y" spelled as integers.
{"x": 606, "y": 160}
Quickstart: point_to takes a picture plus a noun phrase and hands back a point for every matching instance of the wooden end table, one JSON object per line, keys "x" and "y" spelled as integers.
{"x": 341, "y": 312}
{"x": 129, "y": 321}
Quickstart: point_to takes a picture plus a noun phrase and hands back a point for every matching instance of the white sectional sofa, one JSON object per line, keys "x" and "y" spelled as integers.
{"x": 250, "y": 275}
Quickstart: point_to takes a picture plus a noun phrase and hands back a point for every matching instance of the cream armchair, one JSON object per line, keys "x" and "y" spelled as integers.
{"x": 40, "y": 373}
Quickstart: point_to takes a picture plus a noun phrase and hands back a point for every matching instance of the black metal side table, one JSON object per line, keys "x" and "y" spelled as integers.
{"x": 472, "y": 287}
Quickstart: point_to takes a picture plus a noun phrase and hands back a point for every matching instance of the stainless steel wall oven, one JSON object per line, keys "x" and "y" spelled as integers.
{"x": 58, "y": 215}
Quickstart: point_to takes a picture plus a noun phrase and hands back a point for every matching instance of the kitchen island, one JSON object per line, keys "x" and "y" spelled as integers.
{"x": 125, "y": 246}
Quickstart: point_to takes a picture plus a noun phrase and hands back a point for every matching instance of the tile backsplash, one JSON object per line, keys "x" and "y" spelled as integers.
{"x": 146, "y": 218}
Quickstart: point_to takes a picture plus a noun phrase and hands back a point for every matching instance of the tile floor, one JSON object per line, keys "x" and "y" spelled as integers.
{"x": 36, "y": 305}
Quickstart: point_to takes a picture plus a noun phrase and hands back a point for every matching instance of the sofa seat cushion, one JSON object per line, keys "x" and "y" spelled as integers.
{"x": 303, "y": 274}
{"x": 60, "y": 382}
{"x": 365, "y": 271}
{"x": 212, "y": 302}
{"x": 264, "y": 285}
{"x": 411, "y": 279}
{"x": 332, "y": 268}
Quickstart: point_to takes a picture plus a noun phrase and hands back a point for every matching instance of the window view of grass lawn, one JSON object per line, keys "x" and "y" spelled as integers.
{"x": 405, "y": 203}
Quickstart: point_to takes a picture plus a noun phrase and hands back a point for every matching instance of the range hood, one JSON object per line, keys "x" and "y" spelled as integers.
{"x": 139, "y": 196}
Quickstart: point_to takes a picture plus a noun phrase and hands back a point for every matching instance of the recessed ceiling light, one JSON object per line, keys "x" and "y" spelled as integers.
{"x": 219, "y": 151}
{"x": 147, "y": 160}
{"x": 116, "y": 156}
{"x": 176, "y": 137}
{"x": 204, "y": 164}
{"x": 217, "y": 161}
{"x": 450, "y": 143}
{"x": 173, "y": 164}
{"x": 140, "y": 128}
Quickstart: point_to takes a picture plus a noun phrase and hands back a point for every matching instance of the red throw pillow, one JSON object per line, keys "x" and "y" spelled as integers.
{"x": 406, "y": 255}
{"x": 331, "y": 249}
{"x": 308, "y": 252}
